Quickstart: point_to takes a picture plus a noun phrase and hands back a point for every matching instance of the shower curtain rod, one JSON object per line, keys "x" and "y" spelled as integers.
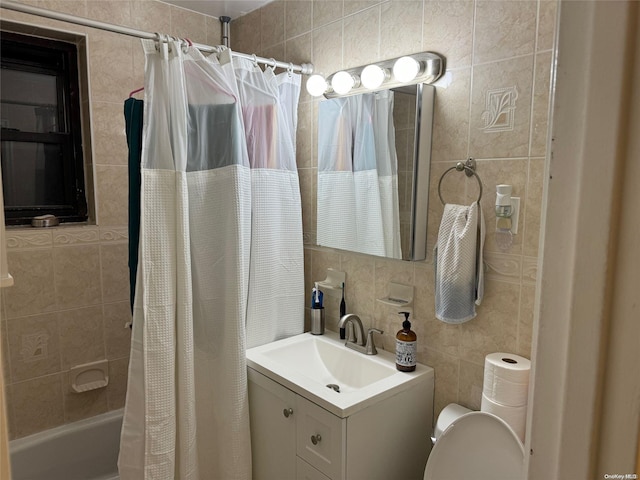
{"x": 305, "y": 68}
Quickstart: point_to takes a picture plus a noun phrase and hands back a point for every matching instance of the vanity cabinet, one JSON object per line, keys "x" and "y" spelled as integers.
{"x": 294, "y": 438}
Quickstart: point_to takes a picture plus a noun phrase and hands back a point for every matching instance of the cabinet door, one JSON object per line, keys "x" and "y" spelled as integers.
{"x": 273, "y": 430}
{"x": 304, "y": 471}
{"x": 321, "y": 438}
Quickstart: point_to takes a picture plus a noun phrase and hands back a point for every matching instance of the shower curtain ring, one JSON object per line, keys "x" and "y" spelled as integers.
{"x": 274, "y": 64}
{"x": 290, "y": 70}
{"x": 255, "y": 60}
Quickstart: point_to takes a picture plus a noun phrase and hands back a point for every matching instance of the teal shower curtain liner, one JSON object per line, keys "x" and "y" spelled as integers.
{"x": 133, "y": 115}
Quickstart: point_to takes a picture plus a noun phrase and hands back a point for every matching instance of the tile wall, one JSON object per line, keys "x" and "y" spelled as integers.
{"x": 70, "y": 301}
{"x": 498, "y": 52}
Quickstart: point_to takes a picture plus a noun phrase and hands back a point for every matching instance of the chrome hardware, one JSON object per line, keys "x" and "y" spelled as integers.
{"x": 315, "y": 439}
{"x": 357, "y": 342}
{"x": 433, "y": 440}
{"x": 370, "y": 348}
{"x": 287, "y": 412}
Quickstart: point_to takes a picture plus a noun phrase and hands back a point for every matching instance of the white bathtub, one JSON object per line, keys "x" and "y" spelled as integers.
{"x": 83, "y": 450}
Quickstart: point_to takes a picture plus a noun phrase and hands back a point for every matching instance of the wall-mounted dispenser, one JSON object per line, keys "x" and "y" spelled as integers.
{"x": 507, "y": 213}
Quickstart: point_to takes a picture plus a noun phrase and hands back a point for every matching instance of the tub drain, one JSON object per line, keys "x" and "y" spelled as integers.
{"x": 334, "y": 387}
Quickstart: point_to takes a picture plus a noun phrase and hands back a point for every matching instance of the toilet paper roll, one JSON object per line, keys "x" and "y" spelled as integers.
{"x": 504, "y": 392}
{"x": 507, "y": 366}
{"x": 516, "y": 417}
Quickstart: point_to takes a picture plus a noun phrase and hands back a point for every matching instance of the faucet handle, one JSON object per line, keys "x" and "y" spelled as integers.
{"x": 371, "y": 347}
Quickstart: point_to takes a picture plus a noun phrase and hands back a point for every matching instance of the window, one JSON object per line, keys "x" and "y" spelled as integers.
{"x": 41, "y": 141}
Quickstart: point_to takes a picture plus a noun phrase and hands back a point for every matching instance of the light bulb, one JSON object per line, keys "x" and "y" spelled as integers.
{"x": 373, "y": 76}
{"x": 406, "y": 69}
{"x": 316, "y": 85}
{"x": 342, "y": 82}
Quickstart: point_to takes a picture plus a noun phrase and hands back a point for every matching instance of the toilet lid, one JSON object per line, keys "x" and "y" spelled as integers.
{"x": 478, "y": 446}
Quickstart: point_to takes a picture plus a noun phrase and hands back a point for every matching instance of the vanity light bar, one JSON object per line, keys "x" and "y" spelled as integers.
{"x": 425, "y": 67}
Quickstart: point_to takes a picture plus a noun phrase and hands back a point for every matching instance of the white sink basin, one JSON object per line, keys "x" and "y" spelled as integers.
{"x": 316, "y": 367}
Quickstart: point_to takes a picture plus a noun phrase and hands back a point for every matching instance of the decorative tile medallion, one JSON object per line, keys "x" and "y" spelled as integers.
{"x": 34, "y": 346}
{"x": 500, "y": 108}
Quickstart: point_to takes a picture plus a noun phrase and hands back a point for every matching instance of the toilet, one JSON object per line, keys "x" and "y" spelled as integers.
{"x": 474, "y": 445}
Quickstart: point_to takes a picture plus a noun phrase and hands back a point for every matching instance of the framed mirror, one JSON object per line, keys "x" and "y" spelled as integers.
{"x": 374, "y": 159}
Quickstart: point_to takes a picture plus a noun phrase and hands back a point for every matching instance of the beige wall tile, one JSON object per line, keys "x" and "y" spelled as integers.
{"x": 525, "y": 323}
{"x": 81, "y": 336}
{"x": 37, "y": 405}
{"x": 353, "y": 6}
{"x": 73, "y": 7}
{"x": 306, "y": 177}
{"x": 360, "y": 297}
{"x": 546, "y": 24}
{"x": 503, "y": 267}
{"x": 117, "y": 388}
{"x": 82, "y": 405}
{"x": 69, "y": 235}
{"x": 408, "y": 14}
{"x": 326, "y": 11}
{"x": 246, "y": 32}
{"x": 188, "y": 24}
{"x": 274, "y": 51}
{"x": 501, "y": 108}
{"x": 115, "y": 272}
{"x": 109, "y": 139}
{"x": 214, "y": 31}
{"x": 541, "y": 95}
{"x": 272, "y": 23}
{"x": 470, "y": 387}
{"x": 504, "y": 29}
{"x": 533, "y": 211}
{"x": 151, "y": 16}
{"x": 113, "y": 194}
{"x": 33, "y": 289}
{"x": 447, "y": 377}
{"x": 327, "y": 48}
{"x": 298, "y": 17}
{"x": 298, "y": 50}
{"x": 361, "y": 38}
{"x": 4, "y": 348}
{"x": 117, "y": 335}
{"x": 28, "y": 238}
{"x": 495, "y": 327}
{"x": 448, "y": 30}
{"x": 77, "y": 276}
{"x": 34, "y": 346}
{"x": 110, "y": 63}
{"x": 304, "y": 136}
{"x": 451, "y": 119}
{"x": 115, "y": 11}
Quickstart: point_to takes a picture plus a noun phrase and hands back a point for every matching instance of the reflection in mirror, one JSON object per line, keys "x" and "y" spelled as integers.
{"x": 374, "y": 153}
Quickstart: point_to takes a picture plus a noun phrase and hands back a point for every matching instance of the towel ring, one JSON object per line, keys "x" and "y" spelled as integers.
{"x": 469, "y": 169}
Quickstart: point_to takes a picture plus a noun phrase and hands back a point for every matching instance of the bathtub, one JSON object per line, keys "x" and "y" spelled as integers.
{"x": 83, "y": 450}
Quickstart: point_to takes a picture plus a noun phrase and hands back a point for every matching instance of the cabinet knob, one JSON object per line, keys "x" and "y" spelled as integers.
{"x": 315, "y": 439}
{"x": 287, "y": 411}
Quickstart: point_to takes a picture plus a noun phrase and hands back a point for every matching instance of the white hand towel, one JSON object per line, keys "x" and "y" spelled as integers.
{"x": 458, "y": 261}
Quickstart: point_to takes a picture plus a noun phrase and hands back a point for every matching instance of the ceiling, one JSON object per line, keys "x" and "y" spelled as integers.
{"x": 219, "y": 8}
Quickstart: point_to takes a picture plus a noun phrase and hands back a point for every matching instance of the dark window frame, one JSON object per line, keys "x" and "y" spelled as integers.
{"x": 42, "y": 55}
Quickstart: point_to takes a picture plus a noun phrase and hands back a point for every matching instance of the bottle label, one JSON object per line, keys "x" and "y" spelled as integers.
{"x": 405, "y": 353}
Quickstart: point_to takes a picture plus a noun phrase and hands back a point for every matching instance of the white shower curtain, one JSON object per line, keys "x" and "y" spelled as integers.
{"x": 275, "y": 307}
{"x": 186, "y": 413}
{"x": 358, "y": 205}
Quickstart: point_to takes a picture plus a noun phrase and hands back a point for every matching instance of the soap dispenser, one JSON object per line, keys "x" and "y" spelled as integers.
{"x": 406, "y": 346}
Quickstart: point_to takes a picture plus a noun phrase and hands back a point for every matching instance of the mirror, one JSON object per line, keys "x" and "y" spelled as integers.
{"x": 374, "y": 154}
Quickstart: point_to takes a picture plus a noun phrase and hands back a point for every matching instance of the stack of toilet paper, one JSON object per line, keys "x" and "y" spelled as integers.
{"x": 506, "y": 388}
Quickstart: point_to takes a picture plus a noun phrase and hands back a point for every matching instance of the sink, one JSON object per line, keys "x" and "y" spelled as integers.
{"x": 330, "y": 363}
{"x": 333, "y": 376}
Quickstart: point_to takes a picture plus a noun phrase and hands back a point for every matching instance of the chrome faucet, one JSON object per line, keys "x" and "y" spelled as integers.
{"x": 357, "y": 341}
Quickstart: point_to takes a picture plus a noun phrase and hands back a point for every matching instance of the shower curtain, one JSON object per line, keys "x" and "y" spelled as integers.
{"x": 276, "y": 274}
{"x": 186, "y": 413}
{"x": 358, "y": 207}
